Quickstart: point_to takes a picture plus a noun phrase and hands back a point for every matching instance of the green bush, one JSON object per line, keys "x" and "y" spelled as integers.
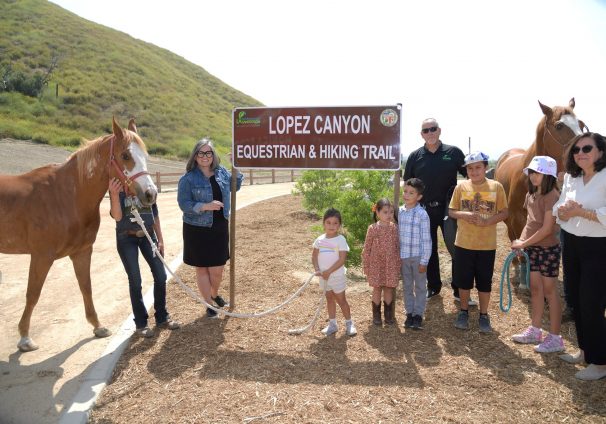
{"x": 351, "y": 192}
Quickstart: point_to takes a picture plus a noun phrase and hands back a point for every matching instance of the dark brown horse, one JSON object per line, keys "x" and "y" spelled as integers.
{"x": 53, "y": 212}
{"x": 554, "y": 131}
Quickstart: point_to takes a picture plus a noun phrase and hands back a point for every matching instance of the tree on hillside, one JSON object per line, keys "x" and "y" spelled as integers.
{"x": 30, "y": 84}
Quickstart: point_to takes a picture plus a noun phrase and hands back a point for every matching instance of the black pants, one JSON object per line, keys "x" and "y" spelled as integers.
{"x": 585, "y": 270}
{"x": 436, "y": 219}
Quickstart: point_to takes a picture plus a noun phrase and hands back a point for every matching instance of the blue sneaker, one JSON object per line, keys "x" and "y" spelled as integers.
{"x": 462, "y": 321}
{"x": 484, "y": 324}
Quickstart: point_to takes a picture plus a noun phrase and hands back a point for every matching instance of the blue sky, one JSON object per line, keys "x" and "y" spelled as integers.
{"x": 478, "y": 67}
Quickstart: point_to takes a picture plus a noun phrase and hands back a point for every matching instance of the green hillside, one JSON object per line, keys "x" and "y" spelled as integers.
{"x": 102, "y": 72}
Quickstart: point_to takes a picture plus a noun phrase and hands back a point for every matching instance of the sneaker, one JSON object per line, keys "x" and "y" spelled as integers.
{"x": 484, "y": 324}
{"x": 462, "y": 321}
{"x": 221, "y": 303}
{"x": 417, "y": 322}
{"x": 552, "y": 343}
{"x": 210, "y": 313}
{"x": 409, "y": 321}
{"x": 350, "y": 329}
{"x": 331, "y": 329}
{"x": 592, "y": 372}
{"x": 531, "y": 335}
{"x": 573, "y": 358}
{"x": 169, "y": 324}
{"x": 145, "y": 332}
{"x": 470, "y": 302}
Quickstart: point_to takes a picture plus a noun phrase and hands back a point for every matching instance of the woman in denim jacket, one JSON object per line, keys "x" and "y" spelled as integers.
{"x": 204, "y": 197}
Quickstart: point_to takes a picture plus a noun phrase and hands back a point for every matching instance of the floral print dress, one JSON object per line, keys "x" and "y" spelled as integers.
{"x": 381, "y": 255}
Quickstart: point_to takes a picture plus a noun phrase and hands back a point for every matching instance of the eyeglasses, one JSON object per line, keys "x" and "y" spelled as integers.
{"x": 585, "y": 149}
{"x": 430, "y": 129}
{"x": 208, "y": 154}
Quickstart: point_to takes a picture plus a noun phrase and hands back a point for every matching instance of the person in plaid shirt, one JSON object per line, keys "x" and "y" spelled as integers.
{"x": 415, "y": 251}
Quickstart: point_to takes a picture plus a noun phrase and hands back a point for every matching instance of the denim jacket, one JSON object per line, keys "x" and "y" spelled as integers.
{"x": 195, "y": 190}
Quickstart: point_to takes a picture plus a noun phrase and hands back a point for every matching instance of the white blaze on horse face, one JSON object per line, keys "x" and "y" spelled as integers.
{"x": 139, "y": 157}
{"x": 572, "y": 123}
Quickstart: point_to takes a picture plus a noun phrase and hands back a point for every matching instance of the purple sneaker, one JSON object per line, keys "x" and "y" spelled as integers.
{"x": 531, "y": 335}
{"x": 552, "y": 343}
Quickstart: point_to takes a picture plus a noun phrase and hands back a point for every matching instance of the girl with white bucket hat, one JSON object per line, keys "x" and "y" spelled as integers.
{"x": 539, "y": 241}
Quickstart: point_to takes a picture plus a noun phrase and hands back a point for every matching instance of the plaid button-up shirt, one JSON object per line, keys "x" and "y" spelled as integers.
{"x": 415, "y": 238}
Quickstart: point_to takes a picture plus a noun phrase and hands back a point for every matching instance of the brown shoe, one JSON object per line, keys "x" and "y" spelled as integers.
{"x": 376, "y": 313}
{"x": 388, "y": 311}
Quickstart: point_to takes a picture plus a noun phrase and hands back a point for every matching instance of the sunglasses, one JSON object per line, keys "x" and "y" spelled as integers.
{"x": 585, "y": 149}
{"x": 202, "y": 154}
{"x": 430, "y": 129}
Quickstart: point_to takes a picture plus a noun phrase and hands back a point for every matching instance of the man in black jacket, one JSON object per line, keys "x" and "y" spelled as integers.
{"x": 436, "y": 164}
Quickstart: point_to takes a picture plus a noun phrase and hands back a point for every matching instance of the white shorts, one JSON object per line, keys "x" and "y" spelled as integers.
{"x": 336, "y": 284}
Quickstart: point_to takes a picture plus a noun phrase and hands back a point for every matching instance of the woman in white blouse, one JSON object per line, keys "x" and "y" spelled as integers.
{"x": 581, "y": 213}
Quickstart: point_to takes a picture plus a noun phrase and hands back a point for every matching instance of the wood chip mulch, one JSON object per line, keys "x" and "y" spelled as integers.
{"x": 235, "y": 370}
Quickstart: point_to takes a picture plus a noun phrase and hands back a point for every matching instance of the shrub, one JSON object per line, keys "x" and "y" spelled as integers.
{"x": 353, "y": 194}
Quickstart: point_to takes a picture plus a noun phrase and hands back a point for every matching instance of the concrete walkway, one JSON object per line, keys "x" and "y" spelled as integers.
{"x": 37, "y": 387}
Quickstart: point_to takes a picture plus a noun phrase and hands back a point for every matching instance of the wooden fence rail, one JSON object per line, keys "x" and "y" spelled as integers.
{"x": 253, "y": 176}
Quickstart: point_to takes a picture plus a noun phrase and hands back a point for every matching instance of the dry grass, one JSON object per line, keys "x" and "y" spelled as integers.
{"x": 231, "y": 370}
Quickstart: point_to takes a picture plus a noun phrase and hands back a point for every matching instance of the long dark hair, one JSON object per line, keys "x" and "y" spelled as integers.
{"x": 571, "y": 166}
{"x": 380, "y": 205}
{"x": 548, "y": 183}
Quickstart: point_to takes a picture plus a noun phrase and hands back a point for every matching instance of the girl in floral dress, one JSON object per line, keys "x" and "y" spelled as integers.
{"x": 381, "y": 260}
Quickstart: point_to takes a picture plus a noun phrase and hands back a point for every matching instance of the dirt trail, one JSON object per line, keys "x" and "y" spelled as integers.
{"x": 36, "y": 386}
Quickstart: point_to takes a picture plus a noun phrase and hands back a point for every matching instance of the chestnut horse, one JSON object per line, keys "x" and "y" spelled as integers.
{"x": 554, "y": 131}
{"x": 53, "y": 212}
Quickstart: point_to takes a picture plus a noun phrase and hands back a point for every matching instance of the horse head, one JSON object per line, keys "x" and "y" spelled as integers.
{"x": 558, "y": 126}
{"x": 129, "y": 159}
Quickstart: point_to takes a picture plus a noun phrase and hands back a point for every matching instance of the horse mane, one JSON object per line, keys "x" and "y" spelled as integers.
{"x": 89, "y": 153}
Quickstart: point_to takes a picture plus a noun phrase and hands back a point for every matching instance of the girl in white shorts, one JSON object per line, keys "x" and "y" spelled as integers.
{"x": 328, "y": 258}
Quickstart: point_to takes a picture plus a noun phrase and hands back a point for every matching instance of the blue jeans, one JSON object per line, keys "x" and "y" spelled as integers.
{"x": 128, "y": 249}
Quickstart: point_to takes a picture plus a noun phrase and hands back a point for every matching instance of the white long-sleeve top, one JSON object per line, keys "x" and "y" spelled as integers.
{"x": 591, "y": 196}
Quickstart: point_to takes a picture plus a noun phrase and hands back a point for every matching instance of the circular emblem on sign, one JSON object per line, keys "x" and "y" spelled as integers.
{"x": 389, "y": 117}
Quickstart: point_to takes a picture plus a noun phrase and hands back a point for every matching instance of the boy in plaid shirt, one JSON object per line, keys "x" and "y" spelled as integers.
{"x": 415, "y": 251}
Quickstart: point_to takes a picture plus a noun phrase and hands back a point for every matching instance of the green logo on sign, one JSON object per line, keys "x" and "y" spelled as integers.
{"x": 242, "y": 119}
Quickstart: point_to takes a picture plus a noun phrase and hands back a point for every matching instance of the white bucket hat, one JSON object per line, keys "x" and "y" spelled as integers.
{"x": 543, "y": 165}
{"x": 474, "y": 157}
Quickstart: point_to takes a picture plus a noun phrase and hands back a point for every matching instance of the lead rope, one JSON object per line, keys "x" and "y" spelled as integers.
{"x": 137, "y": 218}
{"x": 505, "y": 274}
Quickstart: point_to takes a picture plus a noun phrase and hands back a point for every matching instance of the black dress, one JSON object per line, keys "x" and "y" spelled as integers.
{"x": 207, "y": 246}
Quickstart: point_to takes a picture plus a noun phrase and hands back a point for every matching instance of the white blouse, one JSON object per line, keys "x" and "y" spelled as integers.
{"x": 591, "y": 196}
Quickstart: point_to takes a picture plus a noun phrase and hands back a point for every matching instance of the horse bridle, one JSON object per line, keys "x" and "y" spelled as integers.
{"x": 124, "y": 179}
{"x": 554, "y": 137}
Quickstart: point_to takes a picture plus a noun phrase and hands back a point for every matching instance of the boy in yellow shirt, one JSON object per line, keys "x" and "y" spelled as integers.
{"x": 478, "y": 204}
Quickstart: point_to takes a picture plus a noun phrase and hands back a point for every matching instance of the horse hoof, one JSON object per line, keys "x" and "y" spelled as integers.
{"x": 26, "y": 344}
{"x": 102, "y": 332}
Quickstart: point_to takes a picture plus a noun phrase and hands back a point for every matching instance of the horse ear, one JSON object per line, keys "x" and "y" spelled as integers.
{"x": 546, "y": 110}
{"x": 131, "y": 125}
{"x": 571, "y": 103}
{"x": 117, "y": 129}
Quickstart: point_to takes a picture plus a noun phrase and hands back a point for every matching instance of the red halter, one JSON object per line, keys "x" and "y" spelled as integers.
{"x": 125, "y": 180}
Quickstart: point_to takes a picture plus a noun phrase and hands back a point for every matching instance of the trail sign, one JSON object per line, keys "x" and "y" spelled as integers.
{"x": 361, "y": 137}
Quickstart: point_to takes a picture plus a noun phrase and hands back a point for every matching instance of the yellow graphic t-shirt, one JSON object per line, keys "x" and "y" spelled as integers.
{"x": 487, "y": 199}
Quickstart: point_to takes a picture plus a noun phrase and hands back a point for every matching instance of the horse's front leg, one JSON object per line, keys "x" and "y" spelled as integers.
{"x": 38, "y": 270}
{"x": 81, "y": 262}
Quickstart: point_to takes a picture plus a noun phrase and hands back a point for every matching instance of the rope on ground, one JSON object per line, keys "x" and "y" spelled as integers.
{"x": 505, "y": 275}
{"x": 137, "y": 218}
